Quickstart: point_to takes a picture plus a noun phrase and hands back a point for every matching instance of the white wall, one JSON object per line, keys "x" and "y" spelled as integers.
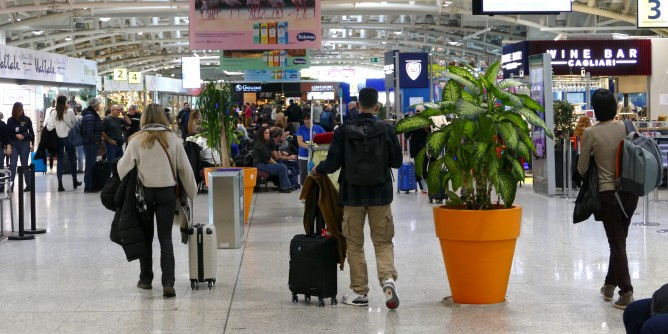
{"x": 659, "y": 79}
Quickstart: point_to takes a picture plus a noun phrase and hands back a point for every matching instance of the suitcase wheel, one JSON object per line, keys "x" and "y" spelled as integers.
{"x": 307, "y": 298}
{"x": 210, "y": 283}
{"x": 334, "y": 302}
{"x": 193, "y": 284}
{"x": 407, "y": 191}
{"x": 295, "y": 298}
{"x": 321, "y": 302}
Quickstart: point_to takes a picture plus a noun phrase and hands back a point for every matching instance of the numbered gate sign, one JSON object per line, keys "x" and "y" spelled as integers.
{"x": 120, "y": 74}
{"x": 134, "y": 77}
{"x": 652, "y": 13}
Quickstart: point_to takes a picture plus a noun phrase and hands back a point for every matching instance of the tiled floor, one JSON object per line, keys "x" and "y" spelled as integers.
{"x": 74, "y": 280}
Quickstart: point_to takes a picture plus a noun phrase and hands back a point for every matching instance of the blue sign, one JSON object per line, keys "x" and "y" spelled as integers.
{"x": 414, "y": 70}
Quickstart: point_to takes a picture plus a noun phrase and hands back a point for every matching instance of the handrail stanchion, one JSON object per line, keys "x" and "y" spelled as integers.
{"x": 645, "y": 216}
{"x": 21, "y": 236}
{"x": 569, "y": 163}
{"x": 33, "y": 217}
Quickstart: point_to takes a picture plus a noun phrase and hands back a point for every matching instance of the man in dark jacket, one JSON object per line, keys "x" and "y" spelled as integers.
{"x": 294, "y": 114}
{"x": 360, "y": 201}
{"x": 91, "y": 128}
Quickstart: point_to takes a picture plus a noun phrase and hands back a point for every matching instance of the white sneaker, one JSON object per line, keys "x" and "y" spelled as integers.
{"x": 391, "y": 297}
{"x": 355, "y": 299}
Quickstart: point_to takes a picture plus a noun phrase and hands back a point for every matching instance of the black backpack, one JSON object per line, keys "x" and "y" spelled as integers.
{"x": 365, "y": 151}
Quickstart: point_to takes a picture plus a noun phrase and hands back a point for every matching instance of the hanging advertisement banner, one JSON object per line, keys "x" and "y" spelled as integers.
{"x": 268, "y": 76}
{"x": 17, "y": 63}
{"x": 255, "y": 25}
{"x": 235, "y": 60}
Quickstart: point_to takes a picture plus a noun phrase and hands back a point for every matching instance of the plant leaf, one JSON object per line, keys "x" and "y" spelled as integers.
{"x": 492, "y": 72}
{"x": 469, "y": 83}
{"x": 508, "y": 133}
{"x": 468, "y": 109}
{"x": 412, "y": 123}
{"x": 434, "y": 174}
{"x": 453, "y": 199}
{"x": 532, "y": 117}
{"x": 436, "y": 142}
{"x": 514, "y": 118}
{"x": 531, "y": 103}
{"x": 506, "y": 187}
{"x": 480, "y": 150}
{"x": 508, "y": 83}
{"x": 466, "y": 96}
{"x": 452, "y": 91}
{"x": 419, "y": 161}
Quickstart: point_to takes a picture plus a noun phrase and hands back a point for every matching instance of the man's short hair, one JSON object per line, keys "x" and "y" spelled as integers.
{"x": 93, "y": 101}
{"x": 368, "y": 98}
{"x": 605, "y": 104}
{"x": 292, "y": 101}
{"x": 276, "y": 132}
{"x": 307, "y": 116}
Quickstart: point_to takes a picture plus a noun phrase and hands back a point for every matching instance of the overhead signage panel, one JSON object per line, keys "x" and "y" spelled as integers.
{"x": 269, "y": 76}
{"x": 651, "y": 14}
{"x": 17, "y": 63}
{"x": 524, "y": 6}
{"x": 599, "y": 57}
{"x": 239, "y": 60}
{"x": 255, "y": 25}
{"x": 413, "y": 70}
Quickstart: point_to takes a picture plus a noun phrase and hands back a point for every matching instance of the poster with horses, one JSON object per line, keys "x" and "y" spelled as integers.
{"x": 254, "y": 24}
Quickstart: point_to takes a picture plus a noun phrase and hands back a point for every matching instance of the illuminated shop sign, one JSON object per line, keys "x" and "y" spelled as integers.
{"x": 600, "y": 58}
{"x": 247, "y": 88}
{"x": 322, "y": 88}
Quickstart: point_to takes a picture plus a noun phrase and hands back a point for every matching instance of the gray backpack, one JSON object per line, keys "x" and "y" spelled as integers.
{"x": 639, "y": 167}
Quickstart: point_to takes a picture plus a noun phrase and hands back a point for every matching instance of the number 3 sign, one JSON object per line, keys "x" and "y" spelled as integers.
{"x": 651, "y": 14}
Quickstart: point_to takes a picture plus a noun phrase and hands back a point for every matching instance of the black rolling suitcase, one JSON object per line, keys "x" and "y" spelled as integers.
{"x": 313, "y": 262}
{"x": 313, "y": 272}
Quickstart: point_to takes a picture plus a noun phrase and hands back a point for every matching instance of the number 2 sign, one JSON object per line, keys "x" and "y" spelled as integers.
{"x": 120, "y": 74}
{"x": 651, "y": 14}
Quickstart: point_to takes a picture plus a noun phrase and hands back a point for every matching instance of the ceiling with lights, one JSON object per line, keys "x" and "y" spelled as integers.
{"x": 152, "y": 35}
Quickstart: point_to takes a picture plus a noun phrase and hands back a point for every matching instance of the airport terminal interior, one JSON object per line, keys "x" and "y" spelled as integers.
{"x": 72, "y": 279}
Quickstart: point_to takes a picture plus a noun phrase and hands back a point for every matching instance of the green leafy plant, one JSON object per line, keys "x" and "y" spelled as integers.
{"x": 564, "y": 118}
{"x": 217, "y": 108}
{"x": 481, "y": 148}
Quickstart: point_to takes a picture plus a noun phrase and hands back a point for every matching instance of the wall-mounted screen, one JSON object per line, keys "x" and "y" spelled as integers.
{"x": 501, "y": 7}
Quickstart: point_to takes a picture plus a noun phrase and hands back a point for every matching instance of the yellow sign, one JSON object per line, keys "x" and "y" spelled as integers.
{"x": 134, "y": 77}
{"x": 120, "y": 74}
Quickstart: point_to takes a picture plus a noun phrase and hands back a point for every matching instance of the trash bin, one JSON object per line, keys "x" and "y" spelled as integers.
{"x": 226, "y": 206}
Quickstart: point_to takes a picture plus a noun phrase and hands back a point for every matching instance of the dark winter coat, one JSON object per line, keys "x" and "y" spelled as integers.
{"x": 587, "y": 202}
{"x": 126, "y": 229}
{"x": 91, "y": 126}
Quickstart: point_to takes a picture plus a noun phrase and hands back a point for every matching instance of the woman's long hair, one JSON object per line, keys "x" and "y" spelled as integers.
{"x": 154, "y": 114}
{"x": 261, "y": 134}
{"x": 61, "y": 106}
{"x": 16, "y": 110}
{"x": 193, "y": 121}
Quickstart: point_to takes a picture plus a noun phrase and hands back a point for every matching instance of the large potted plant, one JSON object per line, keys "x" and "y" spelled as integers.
{"x": 218, "y": 110}
{"x": 478, "y": 163}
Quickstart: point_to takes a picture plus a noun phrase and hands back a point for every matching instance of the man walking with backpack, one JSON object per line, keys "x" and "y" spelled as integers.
{"x": 365, "y": 149}
{"x": 600, "y": 142}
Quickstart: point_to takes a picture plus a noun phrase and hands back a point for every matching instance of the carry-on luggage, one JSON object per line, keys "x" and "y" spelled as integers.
{"x": 202, "y": 254}
{"x": 40, "y": 166}
{"x": 101, "y": 174}
{"x": 406, "y": 180}
{"x": 437, "y": 197}
{"x": 313, "y": 272}
{"x": 313, "y": 261}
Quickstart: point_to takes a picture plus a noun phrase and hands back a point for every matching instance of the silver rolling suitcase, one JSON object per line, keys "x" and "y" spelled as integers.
{"x": 202, "y": 254}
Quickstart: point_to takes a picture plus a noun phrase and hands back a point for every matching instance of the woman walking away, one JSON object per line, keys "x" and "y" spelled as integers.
{"x": 599, "y": 142}
{"x": 22, "y": 141}
{"x": 151, "y": 150}
{"x": 63, "y": 119}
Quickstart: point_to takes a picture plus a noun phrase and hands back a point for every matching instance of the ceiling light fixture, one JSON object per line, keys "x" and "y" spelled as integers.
{"x": 447, "y": 3}
{"x": 68, "y": 38}
{"x": 105, "y": 19}
{"x": 140, "y": 33}
{"x": 38, "y": 32}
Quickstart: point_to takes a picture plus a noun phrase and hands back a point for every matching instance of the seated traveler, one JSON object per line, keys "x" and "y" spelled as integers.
{"x": 263, "y": 162}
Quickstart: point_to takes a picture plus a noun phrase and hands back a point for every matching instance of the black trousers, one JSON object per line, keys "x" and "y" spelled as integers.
{"x": 617, "y": 229}
{"x": 160, "y": 202}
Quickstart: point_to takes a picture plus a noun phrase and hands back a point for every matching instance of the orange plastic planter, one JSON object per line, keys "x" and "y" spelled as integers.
{"x": 478, "y": 248}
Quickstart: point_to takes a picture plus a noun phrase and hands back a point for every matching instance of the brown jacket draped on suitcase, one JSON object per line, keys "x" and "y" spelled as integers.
{"x": 332, "y": 212}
